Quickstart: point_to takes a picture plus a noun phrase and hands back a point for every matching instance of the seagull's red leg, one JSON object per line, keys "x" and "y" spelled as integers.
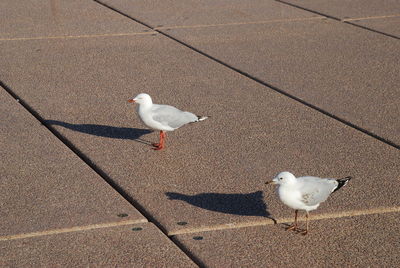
{"x": 160, "y": 145}
{"x": 157, "y": 144}
{"x": 294, "y": 225}
{"x": 306, "y": 231}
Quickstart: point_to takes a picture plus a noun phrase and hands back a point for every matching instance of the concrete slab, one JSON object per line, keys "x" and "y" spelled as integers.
{"x": 210, "y": 173}
{"x": 388, "y": 25}
{"x": 350, "y": 9}
{"x": 159, "y": 13}
{"x": 140, "y": 245}
{"x": 344, "y": 70}
{"x": 365, "y": 241}
{"x": 44, "y": 186}
{"x": 55, "y": 18}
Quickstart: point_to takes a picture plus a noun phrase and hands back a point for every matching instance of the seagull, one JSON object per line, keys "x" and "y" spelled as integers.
{"x": 305, "y": 193}
{"x": 162, "y": 117}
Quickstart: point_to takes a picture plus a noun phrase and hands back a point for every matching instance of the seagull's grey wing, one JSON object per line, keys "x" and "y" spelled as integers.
{"x": 171, "y": 116}
{"x": 315, "y": 190}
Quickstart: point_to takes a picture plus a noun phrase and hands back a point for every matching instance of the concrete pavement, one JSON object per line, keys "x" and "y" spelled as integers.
{"x": 305, "y": 86}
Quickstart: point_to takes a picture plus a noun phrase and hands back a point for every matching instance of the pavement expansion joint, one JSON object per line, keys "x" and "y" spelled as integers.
{"x": 122, "y": 13}
{"x": 276, "y": 89}
{"x": 71, "y": 229}
{"x": 236, "y": 23}
{"x": 372, "y": 17}
{"x": 371, "y": 30}
{"x": 316, "y": 108}
{"x": 78, "y": 153}
{"x": 324, "y": 16}
{"x": 120, "y": 190}
{"x": 347, "y": 21}
{"x": 75, "y": 36}
{"x": 309, "y": 10}
{"x": 101, "y": 173}
{"x": 340, "y": 214}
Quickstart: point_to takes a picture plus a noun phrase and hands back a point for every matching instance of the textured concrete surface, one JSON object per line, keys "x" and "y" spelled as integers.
{"x": 388, "y": 25}
{"x": 347, "y": 242}
{"x": 75, "y": 63}
{"x": 252, "y": 134}
{"x": 159, "y": 13}
{"x": 139, "y": 245}
{"x": 350, "y": 9}
{"x": 342, "y": 69}
{"x": 44, "y": 186}
{"x": 55, "y": 18}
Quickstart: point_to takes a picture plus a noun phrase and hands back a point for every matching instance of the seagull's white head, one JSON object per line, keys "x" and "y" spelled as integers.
{"x": 284, "y": 177}
{"x": 142, "y": 98}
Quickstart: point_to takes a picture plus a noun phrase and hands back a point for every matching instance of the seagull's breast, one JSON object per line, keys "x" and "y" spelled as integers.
{"x": 293, "y": 198}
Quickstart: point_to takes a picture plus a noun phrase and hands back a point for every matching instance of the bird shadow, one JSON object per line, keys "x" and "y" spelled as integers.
{"x": 105, "y": 131}
{"x": 251, "y": 204}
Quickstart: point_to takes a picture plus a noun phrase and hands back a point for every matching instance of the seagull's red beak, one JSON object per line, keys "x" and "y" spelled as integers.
{"x": 131, "y": 101}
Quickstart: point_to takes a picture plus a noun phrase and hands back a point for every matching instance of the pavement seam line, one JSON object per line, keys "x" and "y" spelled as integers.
{"x": 280, "y": 91}
{"x": 235, "y": 23}
{"x": 338, "y": 19}
{"x": 70, "y": 230}
{"x": 373, "y": 17}
{"x": 116, "y": 187}
{"x": 148, "y": 217}
{"x": 170, "y": 235}
{"x": 307, "y": 9}
{"x": 327, "y": 216}
{"x": 260, "y": 81}
{"x": 74, "y": 36}
{"x": 371, "y": 30}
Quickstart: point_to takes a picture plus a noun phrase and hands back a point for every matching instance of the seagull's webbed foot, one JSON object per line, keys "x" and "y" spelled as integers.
{"x": 156, "y": 144}
{"x": 158, "y": 147}
{"x": 292, "y": 227}
{"x": 304, "y": 232}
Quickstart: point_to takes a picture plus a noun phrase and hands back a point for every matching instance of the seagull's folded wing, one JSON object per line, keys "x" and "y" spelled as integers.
{"x": 315, "y": 190}
{"x": 171, "y": 116}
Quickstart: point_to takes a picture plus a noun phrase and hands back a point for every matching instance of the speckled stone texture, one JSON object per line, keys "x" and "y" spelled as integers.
{"x": 350, "y": 9}
{"x": 160, "y": 13}
{"x": 382, "y": 16}
{"x": 39, "y": 19}
{"x": 212, "y": 172}
{"x": 364, "y": 241}
{"x": 44, "y": 185}
{"x": 389, "y": 25}
{"x": 140, "y": 245}
{"x": 344, "y": 70}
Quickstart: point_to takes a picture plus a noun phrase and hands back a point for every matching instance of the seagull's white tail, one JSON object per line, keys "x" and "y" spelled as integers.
{"x": 342, "y": 182}
{"x": 201, "y": 118}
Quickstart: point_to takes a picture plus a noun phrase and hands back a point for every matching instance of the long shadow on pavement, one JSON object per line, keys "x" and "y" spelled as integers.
{"x": 105, "y": 131}
{"x": 251, "y": 204}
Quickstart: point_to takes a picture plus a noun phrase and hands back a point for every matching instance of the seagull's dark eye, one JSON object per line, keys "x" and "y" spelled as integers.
{"x": 280, "y": 178}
